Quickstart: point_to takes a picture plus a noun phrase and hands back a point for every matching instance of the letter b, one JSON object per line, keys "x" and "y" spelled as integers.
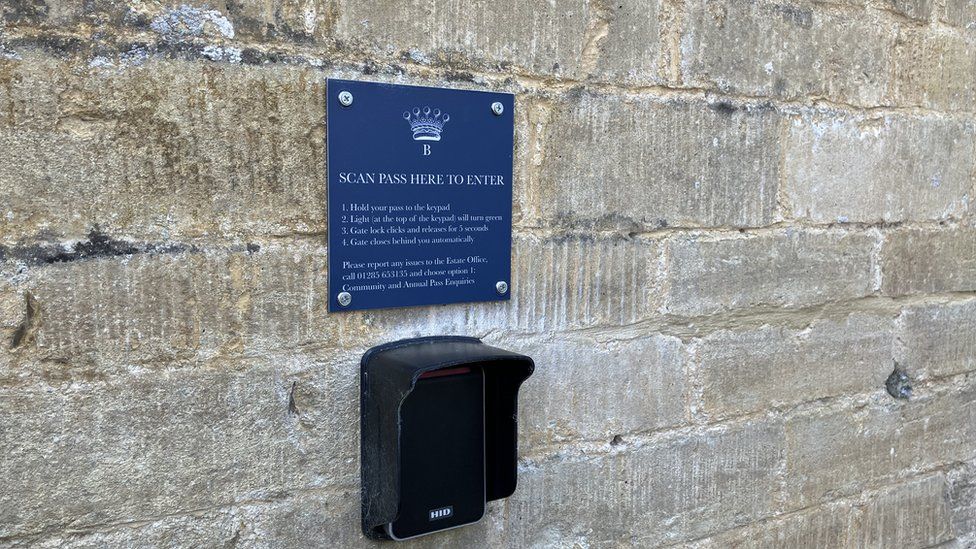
{"x": 426, "y": 149}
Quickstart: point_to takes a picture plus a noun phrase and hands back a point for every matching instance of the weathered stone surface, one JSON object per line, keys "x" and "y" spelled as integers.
{"x": 558, "y": 283}
{"x": 913, "y": 514}
{"x": 539, "y": 36}
{"x": 244, "y": 20}
{"x": 749, "y": 370}
{"x": 20, "y": 317}
{"x": 961, "y": 13}
{"x": 306, "y": 520}
{"x": 57, "y": 12}
{"x": 791, "y": 51}
{"x": 185, "y": 304}
{"x": 170, "y": 375}
{"x": 935, "y": 69}
{"x": 677, "y": 488}
{"x": 841, "y": 168}
{"x": 12, "y": 313}
{"x": 185, "y": 21}
{"x": 582, "y": 281}
{"x": 962, "y": 502}
{"x": 794, "y": 51}
{"x": 525, "y": 155}
{"x": 840, "y": 452}
{"x": 626, "y": 163}
{"x": 825, "y": 526}
{"x": 781, "y": 269}
{"x": 165, "y": 149}
{"x": 919, "y": 10}
{"x": 628, "y": 42}
{"x": 86, "y": 448}
{"x": 915, "y": 261}
{"x": 591, "y": 390}
{"x": 939, "y": 339}
{"x": 908, "y": 515}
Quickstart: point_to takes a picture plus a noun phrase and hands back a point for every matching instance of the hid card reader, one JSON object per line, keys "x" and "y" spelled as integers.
{"x": 439, "y": 431}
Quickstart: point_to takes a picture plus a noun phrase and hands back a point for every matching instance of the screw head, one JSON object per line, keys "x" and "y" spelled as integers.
{"x": 344, "y": 298}
{"x": 497, "y": 108}
{"x": 345, "y": 98}
{"x": 501, "y": 287}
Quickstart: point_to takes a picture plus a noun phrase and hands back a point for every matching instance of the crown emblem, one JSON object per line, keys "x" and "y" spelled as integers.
{"x": 426, "y": 124}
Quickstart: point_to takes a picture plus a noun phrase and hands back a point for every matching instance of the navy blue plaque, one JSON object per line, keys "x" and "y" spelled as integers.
{"x": 420, "y": 195}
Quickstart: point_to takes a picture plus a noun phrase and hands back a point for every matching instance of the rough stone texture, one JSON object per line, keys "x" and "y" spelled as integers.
{"x": 732, "y": 219}
{"x": 786, "y": 50}
{"x": 781, "y": 269}
{"x": 12, "y": 313}
{"x": 87, "y": 446}
{"x": 642, "y": 163}
{"x": 935, "y": 69}
{"x": 185, "y": 304}
{"x": 825, "y": 526}
{"x": 543, "y": 37}
{"x": 929, "y": 261}
{"x": 919, "y": 10}
{"x": 645, "y": 391}
{"x": 260, "y": 20}
{"x": 586, "y": 281}
{"x": 749, "y": 370}
{"x": 757, "y": 47}
{"x": 679, "y": 488}
{"x": 864, "y": 169}
{"x": 54, "y": 12}
{"x": 962, "y": 502}
{"x": 627, "y": 42}
{"x": 938, "y": 340}
{"x": 961, "y": 13}
{"x": 914, "y": 514}
{"x": 841, "y": 452}
{"x": 305, "y": 520}
{"x": 161, "y": 150}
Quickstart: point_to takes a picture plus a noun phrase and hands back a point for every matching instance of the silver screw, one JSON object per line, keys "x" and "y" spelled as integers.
{"x": 345, "y": 298}
{"x": 345, "y": 98}
{"x": 501, "y": 287}
{"x": 497, "y": 108}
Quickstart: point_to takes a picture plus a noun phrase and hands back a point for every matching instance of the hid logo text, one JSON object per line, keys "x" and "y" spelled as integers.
{"x": 426, "y": 124}
{"x": 441, "y": 513}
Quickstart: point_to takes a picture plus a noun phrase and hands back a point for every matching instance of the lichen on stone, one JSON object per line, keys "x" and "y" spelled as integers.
{"x": 188, "y": 21}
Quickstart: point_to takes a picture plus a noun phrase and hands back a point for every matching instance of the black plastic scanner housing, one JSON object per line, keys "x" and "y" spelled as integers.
{"x": 388, "y": 374}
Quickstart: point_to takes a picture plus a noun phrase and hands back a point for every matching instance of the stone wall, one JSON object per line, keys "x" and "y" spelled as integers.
{"x": 734, "y": 220}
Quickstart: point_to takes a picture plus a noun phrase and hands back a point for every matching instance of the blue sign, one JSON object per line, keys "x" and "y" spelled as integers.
{"x": 420, "y": 195}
